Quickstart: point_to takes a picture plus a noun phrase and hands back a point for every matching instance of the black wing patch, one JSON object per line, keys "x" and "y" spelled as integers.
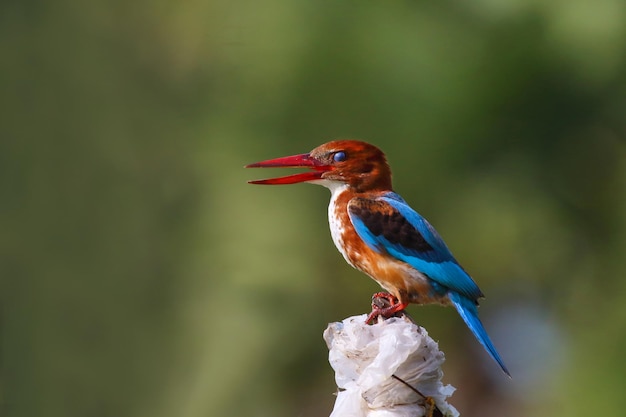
{"x": 382, "y": 219}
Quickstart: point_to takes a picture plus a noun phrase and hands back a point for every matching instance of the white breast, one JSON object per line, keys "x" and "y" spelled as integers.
{"x": 334, "y": 221}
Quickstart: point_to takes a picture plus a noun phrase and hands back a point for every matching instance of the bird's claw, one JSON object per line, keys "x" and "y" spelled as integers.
{"x": 385, "y": 305}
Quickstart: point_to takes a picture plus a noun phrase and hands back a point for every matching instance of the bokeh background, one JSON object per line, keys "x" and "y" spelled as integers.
{"x": 142, "y": 276}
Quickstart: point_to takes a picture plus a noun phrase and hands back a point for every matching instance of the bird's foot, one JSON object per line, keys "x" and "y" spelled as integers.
{"x": 384, "y": 305}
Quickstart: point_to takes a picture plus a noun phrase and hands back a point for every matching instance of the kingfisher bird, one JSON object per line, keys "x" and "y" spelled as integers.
{"x": 379, "y": 234}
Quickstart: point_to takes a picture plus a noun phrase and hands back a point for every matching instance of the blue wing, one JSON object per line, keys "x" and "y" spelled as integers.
{"x": 387, "y": 224}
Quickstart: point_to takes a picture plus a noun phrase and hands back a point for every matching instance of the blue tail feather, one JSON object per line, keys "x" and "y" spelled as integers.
{"x": 469, "y": 312}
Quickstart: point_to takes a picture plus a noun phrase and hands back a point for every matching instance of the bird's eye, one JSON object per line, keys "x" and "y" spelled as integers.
{"x": 339, "y": 156}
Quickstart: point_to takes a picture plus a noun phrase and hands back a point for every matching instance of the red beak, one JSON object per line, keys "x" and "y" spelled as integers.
{"x": 296, "y": 161}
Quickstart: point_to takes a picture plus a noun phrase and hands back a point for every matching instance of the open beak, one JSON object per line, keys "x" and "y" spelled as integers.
{"x": 296, "y": 161}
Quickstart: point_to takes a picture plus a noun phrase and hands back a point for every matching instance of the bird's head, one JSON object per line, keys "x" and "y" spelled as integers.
{"x": 361, "y": 166}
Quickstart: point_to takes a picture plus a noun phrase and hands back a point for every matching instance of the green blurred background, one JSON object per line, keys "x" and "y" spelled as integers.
{"x": 142, "y": 276}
